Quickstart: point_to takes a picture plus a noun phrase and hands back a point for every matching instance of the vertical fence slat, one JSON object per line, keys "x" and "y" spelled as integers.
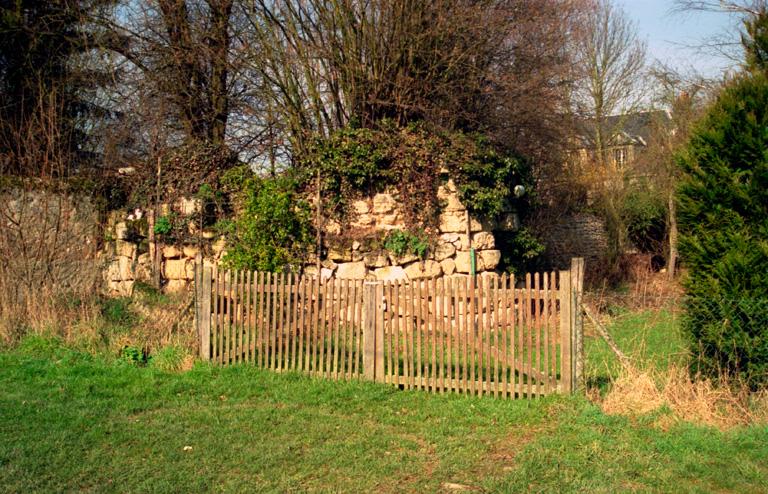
{"x": 205, "y": 313}
{"x": 565, "y": 331}
{"x": 448, "y": 332}
{"x": 337, "y": 327}
{"x": 305, "y": 324}
{"x": 545, "y": 323}
{"x": 240, "y": 316}
{"x": 271, "y": 311}
{"x": 248, "y": 317}
{"x": 504, "y": 334}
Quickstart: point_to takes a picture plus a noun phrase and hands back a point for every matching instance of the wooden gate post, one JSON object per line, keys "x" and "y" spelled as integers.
{"x": 204, "y": 312}
{"x": 373, "y": 348}
{"x": 577, "y": 321}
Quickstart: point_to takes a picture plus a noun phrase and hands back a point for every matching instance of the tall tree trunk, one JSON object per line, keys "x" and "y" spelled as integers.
{"x": 672, "y": 260}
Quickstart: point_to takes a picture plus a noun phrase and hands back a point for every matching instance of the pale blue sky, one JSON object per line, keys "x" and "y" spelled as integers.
{"x": 666, "y": 33}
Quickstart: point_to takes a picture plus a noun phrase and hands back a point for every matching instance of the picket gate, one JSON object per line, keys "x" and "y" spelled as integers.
{"x": 485, "y": 335}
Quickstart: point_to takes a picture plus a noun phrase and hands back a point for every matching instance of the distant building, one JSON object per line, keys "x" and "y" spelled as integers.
{"x": 626, "y": 135}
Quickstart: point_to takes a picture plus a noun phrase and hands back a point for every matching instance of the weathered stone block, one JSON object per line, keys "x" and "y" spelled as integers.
{"x": 376, "y": 259}
{"x": 339, "y": 255}
{"x": 449, "y": 237}
{"x": 143, "y": 270}
{"x": 463, "y": 263}
{"x": 187, "y": 206}
{"x": 425, "y": 269}
{"x": 391, "y": 221}
{"x": 401, "y": 260}
{"x": 456, "y": 222}
{"x": 450, "y": 198}
{"x": 384, "y": 203}
{"x": 489, "y": 259}
{"x": 170, "y": 251}
{"x": 444, "y": 251}
{"x": 127, "y": 249}
{"x": 483, "y": 241}
{"x": 448, "y": 266}
{"x": 352, "y": 271}
{"x": 121, "y": 230}
{"x": 190, "y": 251}
{"x": 361, "y": 207}
{"x": 328, "y": 264}
{"x": 178, "y": 269}
{"x": 390, "y": 273}
{"x": 120, "y": 269}
{"x": 363, "y": 221}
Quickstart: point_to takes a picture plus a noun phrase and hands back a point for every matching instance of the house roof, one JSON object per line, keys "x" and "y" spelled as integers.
{"x": 628, "y": 129}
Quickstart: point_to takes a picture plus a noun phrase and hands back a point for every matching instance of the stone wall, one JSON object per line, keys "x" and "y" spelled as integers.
{"x": 578, "y": 235}
{"x": 448, "y": 253}
{"x": 128, "y": 254}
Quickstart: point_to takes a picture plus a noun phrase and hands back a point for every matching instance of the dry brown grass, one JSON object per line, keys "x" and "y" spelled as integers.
{"x": 723, "y": 404}
{"x": 44, "y": 312}
{"x": 78, "y": 319}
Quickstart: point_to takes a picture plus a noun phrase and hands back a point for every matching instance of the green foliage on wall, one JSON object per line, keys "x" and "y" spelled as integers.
{"x": 401, "y": 243}
{"x": 412, "y": 160}
{"x": 273, "y": 230}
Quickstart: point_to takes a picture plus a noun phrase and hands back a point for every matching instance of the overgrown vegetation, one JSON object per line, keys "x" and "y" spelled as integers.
{"x": 273, "y": 230}
{"x": 413, "y": 161}
{"x": 401, "y": 243}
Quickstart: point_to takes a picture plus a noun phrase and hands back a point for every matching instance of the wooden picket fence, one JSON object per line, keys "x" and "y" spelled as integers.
{"x": 483, "y": 335}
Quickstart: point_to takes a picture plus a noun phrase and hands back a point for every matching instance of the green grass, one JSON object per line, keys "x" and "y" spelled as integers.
{"x": 71, "y": 421}
{"x": 652, "y": 339}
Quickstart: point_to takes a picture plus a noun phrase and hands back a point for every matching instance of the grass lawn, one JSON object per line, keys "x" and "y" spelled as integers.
{"x": 73, "y": 422}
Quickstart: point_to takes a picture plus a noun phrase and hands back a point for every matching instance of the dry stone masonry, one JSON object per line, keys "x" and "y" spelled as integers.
{"x": 449, "y": 254}
{"x": 129, "y": 254}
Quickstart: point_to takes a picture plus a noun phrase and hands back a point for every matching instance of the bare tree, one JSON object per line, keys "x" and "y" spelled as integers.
{"x": 497, "y": 66}
{"x": 613, "y": 61}
{"x": 683, "y": 99}
{"x": 728, "y": 43}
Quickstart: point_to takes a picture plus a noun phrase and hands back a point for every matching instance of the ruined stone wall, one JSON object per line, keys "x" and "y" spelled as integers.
{"x": 128, "y": 253}
{"x": 578, "y": 235}
{"x": 448, "y": 254}
{"x": 360, "y": 255}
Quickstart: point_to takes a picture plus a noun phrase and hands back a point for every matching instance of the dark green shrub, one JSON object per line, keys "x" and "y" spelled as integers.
{"x": 723, "y": 215}
{"x": 645, "y": 215}
{"x": 521, "y": 251}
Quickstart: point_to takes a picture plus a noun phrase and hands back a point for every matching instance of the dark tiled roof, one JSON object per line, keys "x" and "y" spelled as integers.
{"x": 633, "y": 128}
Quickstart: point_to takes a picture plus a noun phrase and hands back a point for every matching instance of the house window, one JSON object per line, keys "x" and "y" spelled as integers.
{"x": 620, "y": 156}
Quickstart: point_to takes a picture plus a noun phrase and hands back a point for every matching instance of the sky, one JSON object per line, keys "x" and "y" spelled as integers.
{"x": 667, "y": 34}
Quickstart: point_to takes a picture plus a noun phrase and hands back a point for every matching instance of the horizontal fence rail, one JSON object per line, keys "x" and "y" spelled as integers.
{"x": 484, "y": 335}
